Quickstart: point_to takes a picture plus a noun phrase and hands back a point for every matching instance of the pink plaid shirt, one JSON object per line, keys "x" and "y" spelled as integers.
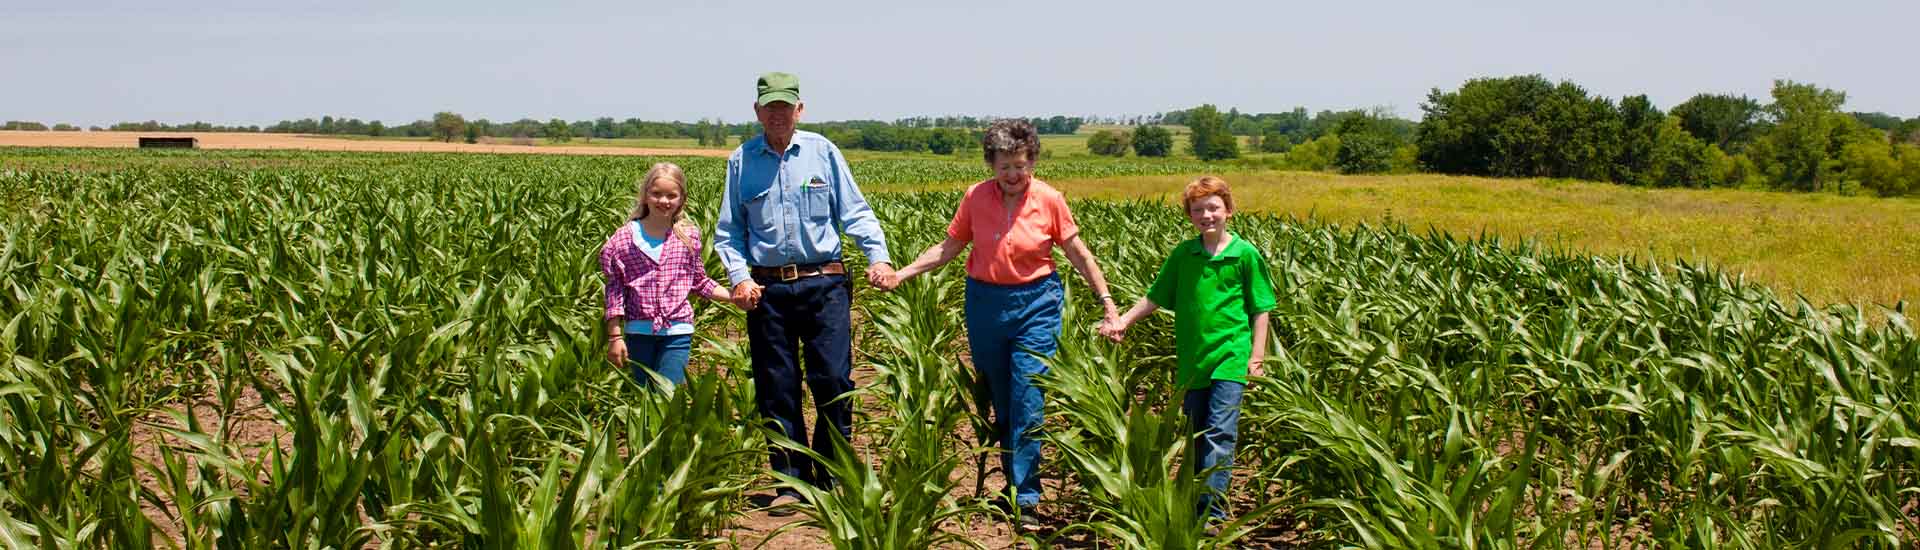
{"x": 639, "y": 288}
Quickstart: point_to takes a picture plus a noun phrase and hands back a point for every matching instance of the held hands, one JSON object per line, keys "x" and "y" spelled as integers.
{"x": 882, "y": 277}
{"x": 746, "y": 295}
{"x": 1113, "y": 329}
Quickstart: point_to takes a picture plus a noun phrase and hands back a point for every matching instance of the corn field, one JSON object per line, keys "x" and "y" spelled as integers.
{"x": 299, "y": 350}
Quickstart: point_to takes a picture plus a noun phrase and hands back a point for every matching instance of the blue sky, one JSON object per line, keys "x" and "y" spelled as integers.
{"x": 97, "y": 62}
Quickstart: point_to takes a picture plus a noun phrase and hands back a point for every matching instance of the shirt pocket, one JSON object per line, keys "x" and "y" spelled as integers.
{"x": 763, "y": 212}
{"x": 819, "y": 200}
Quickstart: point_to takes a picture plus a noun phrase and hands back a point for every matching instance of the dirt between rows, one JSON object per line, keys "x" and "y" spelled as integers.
{"x": 253, "y": 431}
{"x": 234, "y": 140}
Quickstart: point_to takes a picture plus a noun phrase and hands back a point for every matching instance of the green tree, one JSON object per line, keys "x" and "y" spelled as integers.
{"x": 1726, "y": 121}
{"x": 1210, "y": 139}
{"x": 1315, "y": 155}
{"x": 558, "y": 131}
{"x": 376, "y": 128}
{"x": 945, "y": 141}
{"x": 1641, "y": 122}
{"x": 1676, "y": 158}
{"x": 1519, "y": 126}
{"x": 1367, "y": 145}
{"x": 447, "y": 124}
{"x": 1110, "y": 143}
{"x": 1274, "y": 140}
{"x": 1907, "y": 132}
{"x": 1801, "y": 150}
{"x": 472, "y": 133}
{"x": 1152, "y": 141}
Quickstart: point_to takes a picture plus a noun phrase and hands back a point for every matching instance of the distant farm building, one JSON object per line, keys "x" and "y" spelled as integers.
{"x": 169, "y": 143}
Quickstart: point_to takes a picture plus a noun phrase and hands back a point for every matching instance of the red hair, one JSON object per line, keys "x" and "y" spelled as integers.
{"x": 1206, "y": 186}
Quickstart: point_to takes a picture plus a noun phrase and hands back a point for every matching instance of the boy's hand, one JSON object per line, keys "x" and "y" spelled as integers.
{"x": 1254, "y": 369}
{"x": 1113, "y": 330}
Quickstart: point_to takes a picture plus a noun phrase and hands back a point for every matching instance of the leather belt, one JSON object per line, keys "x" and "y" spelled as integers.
{"x": 791, "y": 272}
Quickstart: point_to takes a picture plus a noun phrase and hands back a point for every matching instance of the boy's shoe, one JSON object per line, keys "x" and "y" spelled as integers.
{"x": 1213, "y": 526}
{"x": 1028, "y": 521}
{"x": 784, "y": 504}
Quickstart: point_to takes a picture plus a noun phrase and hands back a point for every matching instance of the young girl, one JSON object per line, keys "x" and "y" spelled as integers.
{"x": 652, "y": 264}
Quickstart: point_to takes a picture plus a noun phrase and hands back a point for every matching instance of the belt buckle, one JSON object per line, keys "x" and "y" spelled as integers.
{"x": 789, "y": 272}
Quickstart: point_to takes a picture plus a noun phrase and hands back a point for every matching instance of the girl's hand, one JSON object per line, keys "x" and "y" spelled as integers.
{"x": 617, "y": 351}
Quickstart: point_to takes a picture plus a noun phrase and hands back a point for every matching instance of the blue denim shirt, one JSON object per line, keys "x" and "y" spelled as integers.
{"x": 791, "y": 207}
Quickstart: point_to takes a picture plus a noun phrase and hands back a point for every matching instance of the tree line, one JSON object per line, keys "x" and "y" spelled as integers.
{"x": 1801, "y": 140}
{"x": 1526, "y": 126}
{"x": 939, "y": 135}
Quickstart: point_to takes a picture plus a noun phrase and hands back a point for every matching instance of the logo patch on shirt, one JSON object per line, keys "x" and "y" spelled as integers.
{"x": 816, "y": 183}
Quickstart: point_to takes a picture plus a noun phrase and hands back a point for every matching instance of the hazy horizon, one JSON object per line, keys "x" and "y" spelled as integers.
{"x": 95, "y": 63}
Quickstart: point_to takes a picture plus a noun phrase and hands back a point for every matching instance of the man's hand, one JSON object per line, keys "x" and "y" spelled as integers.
{"x": 617, "y": 351}
{"x": 1253, "y": 367}
{"x": 882, "y": 277}
{"x": 746, "y": 295}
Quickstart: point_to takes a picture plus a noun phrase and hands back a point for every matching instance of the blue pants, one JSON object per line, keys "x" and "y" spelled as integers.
{"x": 1009, "y": 329}
{"x": 666, "y": 355}
{"x": 805, "y": 318}
{"x": 1214, "y": 415}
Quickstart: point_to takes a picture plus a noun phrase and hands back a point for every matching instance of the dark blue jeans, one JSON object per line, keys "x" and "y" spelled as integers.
{"x": 804, "y": 319}
{"x": 1009, "y": 329}
{"x": 666, "y": 355}
{"x": 1214, "y": 416}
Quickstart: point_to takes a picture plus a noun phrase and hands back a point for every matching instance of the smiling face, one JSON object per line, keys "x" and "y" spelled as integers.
{"x": 664, "y": 198}
{"x": 778, "y": 119}
{"x": 1012, "y": 171}
{"x": 1209, "y": 214}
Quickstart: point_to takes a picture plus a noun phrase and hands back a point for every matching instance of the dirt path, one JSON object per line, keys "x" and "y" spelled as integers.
{"x": 226, "y": 140}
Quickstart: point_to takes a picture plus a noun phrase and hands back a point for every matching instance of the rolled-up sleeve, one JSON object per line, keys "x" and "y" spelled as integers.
{"x": 853, "y": 213}
{"x": 616, "y": 299}
{"x": 702, "y": 284}
{"x": 730, "y": 231}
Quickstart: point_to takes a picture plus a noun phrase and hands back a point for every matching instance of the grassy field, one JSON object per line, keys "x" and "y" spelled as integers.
{"x": 1825, "y": 247}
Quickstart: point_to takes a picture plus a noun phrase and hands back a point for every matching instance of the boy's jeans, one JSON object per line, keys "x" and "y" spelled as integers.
{"x": 1214, "y": 415}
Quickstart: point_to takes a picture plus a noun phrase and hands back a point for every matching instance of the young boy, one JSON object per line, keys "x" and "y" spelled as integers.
{"x": 1218, "y": 289}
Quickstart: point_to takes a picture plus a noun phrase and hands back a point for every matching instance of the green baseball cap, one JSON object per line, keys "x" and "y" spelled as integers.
{"x": 779, "y": 87}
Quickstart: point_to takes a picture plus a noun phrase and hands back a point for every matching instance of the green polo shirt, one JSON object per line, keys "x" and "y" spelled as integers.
{"x": 1213, "y": 301}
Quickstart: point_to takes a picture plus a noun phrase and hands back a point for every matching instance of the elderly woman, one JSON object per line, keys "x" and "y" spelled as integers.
{"x": 1014, "y": 296}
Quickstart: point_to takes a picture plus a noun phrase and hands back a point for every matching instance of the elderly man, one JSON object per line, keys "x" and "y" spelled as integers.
{"x": 788, "y": 197}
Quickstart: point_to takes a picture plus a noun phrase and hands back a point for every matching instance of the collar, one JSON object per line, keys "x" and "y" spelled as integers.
{"x": 760, "y": 144}
{"x": 1233, "y": 250}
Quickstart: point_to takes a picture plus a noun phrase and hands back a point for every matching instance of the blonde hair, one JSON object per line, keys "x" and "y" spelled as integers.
{"x": 1204, "y": 187}
{"x": 670, "y": 172}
